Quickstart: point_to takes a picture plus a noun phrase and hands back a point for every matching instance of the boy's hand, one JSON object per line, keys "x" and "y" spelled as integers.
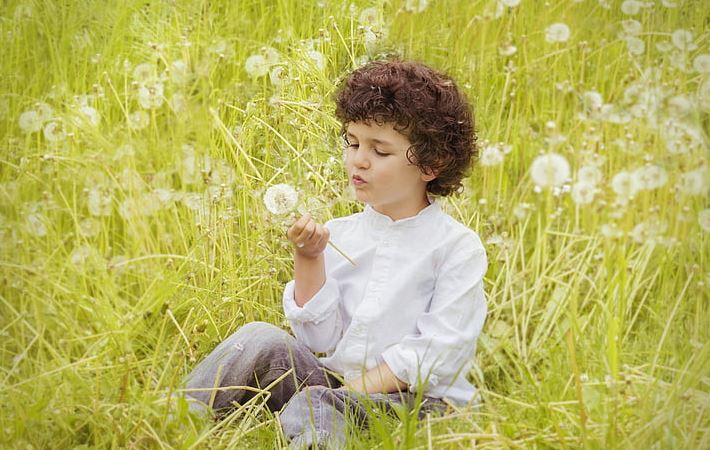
{"x": 309, "y": 237}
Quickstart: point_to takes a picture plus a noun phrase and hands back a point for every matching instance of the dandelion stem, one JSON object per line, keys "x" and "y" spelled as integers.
{"x": 335, "y": 247}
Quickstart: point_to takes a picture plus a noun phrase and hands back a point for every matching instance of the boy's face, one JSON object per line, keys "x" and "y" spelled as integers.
{"x": 378, "y": 168}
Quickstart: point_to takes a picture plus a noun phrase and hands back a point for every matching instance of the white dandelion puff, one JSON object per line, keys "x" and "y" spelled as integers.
{"x": 669, "y": 4}
{"x": 279, "y": 76}
{"x": 701, "y": 63}
{"x": 491, "y": 156}
{"x": 89, "y": 115}
{"x": 509, "y": 3}
{"x": 557, "y": 32}
{"x": 256, "y": 66}
{"x": 631, "y": 7}
{"x": 648, "y": 232}
{"x": 317, "y": 58}
{"x": 145, "y": 73}
{"x": 704, "y": 219}
{"x": 631, "y": 27}
{"x": 280, "y": 199}
{"x": 694, "y": 182}
{"x": 180, "y": 72}
{"x": 583, "y": 193}
{"x": 650, "y": 176}
{"x": 550, "y": 170}
{"x": 99, "y": 201}
{"x": 610, "y": 230}
{"x": 683, "y": 40}
{"x": 54, "y": 132}
{"x": 625, "y": 185}
{"x": 271, "y": 55}
{"x": 138, "y": 120}
{"x": 45, "y": 111}
{"x": 415, "y": 6}
{"x": 178, "y": 103}
{"x": 589, "y": 174}
{"x": 370, "y": 17}
{"x": 35, "y": 224}
{"x": 151, "y": 96}
{"x": 508, "y": 50}
{"x": 30, "y": 122}
{"x": 634, "y": 45}
{"x": 703, "y": 95}
{"x": 89, "y": 227}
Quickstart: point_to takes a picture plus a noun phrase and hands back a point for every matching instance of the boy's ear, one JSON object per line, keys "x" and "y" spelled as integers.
{"x": 429, "y": 174}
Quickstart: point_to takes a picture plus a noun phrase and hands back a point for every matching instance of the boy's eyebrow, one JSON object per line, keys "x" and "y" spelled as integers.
{"x": 375, "y": 140}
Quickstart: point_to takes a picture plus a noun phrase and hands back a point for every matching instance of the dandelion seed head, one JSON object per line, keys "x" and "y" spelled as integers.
{"x": 650, "y": 176}
{"x": 178, "y": 103}
{"x": 610, "y": 230}
{"x": 317, "y": 58}
{"x": 491, "y": 156}
{"x": 701, "y": 63}
{"x": 256, "y": 66}
{"x": 150, "y": 96}
{"x": 694, "y": 182}
{"x": 557, "y": 32}
{"x": 589, "y": 174}
{"x": 35, "y": 224}
{"x": 634, "y": 45}
{"x": 82, "y": 254}
{"x": 45, "y": 111}
{"x": 648, "y": 232}
{"x": 30, "y": 122}
{"x": 280, "y": 199}
{"x": 631, "y": 27}
{"x": 550, "y": 170}
{"x": 631, "y": 7}
{"x": 89, "y": 115}
{"x": 415, "y": 6}
{"x": 669, "y": 3}
{"x": 145, "y": 73}
{"x": 683, "y": 40}
{"x": 625, "y": 185}
{"x": 704, "y": 219}
{"x": 583, "y": 193}
{"x": 278, "y": 76}
{"x": 54, "y": 132}
{"x": 703, "y": 94}
{"x": 138, "y": 120}
{"x": 180, "y": 72}
{"x": 507, "y": 50}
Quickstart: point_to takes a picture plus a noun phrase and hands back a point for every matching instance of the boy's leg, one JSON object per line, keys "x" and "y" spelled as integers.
{"x": 317, "y": 414}
{"x": 255, "y": 355}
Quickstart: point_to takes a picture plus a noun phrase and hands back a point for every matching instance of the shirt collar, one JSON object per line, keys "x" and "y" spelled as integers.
{"x": 377, "y": 219}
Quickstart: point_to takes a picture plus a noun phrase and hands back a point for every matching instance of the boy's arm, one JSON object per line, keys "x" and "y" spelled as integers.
{"x": 309, "y": 239}
{"x": 381, "y": 379}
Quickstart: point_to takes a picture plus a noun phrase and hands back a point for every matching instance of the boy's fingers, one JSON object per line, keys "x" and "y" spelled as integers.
{"x": 306, "y": 233}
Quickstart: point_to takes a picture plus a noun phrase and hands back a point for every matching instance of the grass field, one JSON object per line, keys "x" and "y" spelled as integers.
{"x": 138, "y": 139}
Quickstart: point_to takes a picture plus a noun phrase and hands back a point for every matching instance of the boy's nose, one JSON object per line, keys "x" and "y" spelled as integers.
{"x": 360, "y": 159}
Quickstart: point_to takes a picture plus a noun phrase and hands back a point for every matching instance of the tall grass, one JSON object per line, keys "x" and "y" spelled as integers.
{"x": 131, "y": 244}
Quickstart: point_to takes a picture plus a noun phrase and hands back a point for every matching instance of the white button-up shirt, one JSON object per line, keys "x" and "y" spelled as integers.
{"x": 415, "y": 300}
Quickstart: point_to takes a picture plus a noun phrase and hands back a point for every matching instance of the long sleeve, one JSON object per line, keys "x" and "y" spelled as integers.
{"x": 444, "y": 345}
{"x": 318, "y": 324}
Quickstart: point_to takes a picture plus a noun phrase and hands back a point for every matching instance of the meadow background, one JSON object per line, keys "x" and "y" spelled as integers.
{"x": 137, "y": 139}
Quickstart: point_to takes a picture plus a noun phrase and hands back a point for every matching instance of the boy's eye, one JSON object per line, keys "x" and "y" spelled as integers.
{"x": 379, "y": 153}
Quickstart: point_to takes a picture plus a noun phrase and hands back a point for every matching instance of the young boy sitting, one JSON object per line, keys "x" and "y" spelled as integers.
{"x": 407, "y": 316}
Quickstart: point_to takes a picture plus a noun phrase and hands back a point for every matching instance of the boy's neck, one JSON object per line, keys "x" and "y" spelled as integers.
{"x": 404, "y": 211}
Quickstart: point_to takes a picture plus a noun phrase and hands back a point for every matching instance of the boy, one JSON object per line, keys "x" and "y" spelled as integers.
{"x": 407, "y": 316}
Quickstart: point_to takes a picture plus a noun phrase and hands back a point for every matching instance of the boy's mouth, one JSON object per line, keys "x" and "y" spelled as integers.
{"x": 358, "y": 181}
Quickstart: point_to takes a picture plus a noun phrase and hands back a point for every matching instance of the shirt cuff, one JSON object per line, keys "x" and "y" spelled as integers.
{"x": 405, "y": 365}
{"x": 317, "y": 309}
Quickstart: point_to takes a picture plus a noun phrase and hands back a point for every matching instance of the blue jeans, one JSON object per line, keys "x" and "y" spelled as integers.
{"x": 313, "y": 409}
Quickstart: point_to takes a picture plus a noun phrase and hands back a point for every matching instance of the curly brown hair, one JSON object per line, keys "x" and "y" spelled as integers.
{"x": 425, "y": 105}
